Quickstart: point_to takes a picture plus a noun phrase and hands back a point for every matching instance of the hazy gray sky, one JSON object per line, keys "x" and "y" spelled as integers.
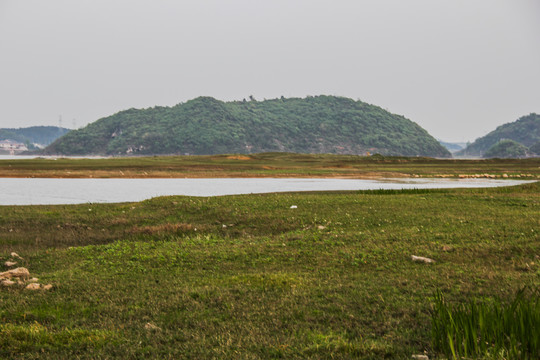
{"x": 458, "y": 68}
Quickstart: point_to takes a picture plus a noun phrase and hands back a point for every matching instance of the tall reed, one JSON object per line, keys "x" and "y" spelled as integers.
{"x": 481, "y": 329}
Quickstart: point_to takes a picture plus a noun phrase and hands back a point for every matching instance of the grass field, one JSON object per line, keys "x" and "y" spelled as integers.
{"x": 268, "y": 165}
{"x": 249, "y": 277}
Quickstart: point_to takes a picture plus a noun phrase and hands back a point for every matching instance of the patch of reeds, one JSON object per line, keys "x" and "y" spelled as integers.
{"x": 482, "y": 329}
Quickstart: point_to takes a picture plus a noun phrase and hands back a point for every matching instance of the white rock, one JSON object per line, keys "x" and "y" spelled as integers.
{"x": 422, "y": 259}
{"x": 150, "y": 326}
{"x": 47, "y": 287}
{"x": 33, "y": 286}
{"x": 33, "y": 280}
{"x": 15, "y": 255}
{"x": 294, "y": 207}
{"x": 7, "y": 282}
{"x": 10, "y": 263}
{"x": 420, "y": 357}
{"x": 19, "y": 272}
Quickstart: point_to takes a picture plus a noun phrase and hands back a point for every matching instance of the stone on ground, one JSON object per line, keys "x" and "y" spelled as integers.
{"x": 422, "y": 259}
{"x": 33, "y": 286}
{"x": 150, "y": 326}
{"x": 7, "y": 283}
{"x": 20, "y": 272}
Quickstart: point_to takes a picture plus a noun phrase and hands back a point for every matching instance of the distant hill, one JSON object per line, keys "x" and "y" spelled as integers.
{"x": 453, "y": 147}
{"x": 41, "y": 135}
{"x": 507, "y": 149}
{"x": 525, "y": 130}
{"x": 321, "y": 124}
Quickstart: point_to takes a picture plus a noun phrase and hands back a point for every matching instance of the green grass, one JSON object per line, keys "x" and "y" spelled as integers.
{"x": 488, "y": 329}
{"x": 248, "y": 277}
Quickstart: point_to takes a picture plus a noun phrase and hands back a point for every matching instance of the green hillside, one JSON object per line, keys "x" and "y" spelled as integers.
{"x": 43, "y": 135}
{"x": 322, "y": 124}
{"x": 507, "y": 149}
{"x": 526, "y": 131}
{"x": 535, "y": 148}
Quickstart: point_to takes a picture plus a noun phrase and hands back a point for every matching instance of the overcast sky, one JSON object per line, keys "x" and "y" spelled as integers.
{"x": 458, "y": 68}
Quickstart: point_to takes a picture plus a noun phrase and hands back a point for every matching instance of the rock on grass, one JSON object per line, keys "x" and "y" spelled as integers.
{"x": 20, "y": 272}
{"x": 422, "y": 259}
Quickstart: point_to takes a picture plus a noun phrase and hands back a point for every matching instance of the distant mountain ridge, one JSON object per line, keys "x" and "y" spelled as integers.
{"x": 453, "y": 146}
{"x": 41, "y": 135}
{"x": 321, "y": 124}
{"x": 525, "y": 131}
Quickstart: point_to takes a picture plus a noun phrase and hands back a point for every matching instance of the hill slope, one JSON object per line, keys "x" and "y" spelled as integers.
{"x": 322, "y": 124}
{"x": 525, "y": 130}
{"x": 507, "y": 149}
{"x": 535, "y": 148}
{"x": 42, "y": 135}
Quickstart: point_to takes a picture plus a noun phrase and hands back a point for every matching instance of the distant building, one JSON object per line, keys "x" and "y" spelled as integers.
{"x": 12, "y": 146}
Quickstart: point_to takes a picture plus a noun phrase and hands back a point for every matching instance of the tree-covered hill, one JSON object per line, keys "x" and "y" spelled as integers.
{"x": 41, "y": 135}
{"x": 321, "y": 124}
{"x": 526, "y": 131}
{"x": 507, "y": 149}
{"x": 535, "y": 149}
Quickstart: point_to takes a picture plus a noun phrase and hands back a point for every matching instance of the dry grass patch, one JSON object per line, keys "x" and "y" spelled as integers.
{"x": 238, "y": 157}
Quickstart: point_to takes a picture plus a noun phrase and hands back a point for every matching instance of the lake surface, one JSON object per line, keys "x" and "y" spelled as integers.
{"x": 36, "y": 191}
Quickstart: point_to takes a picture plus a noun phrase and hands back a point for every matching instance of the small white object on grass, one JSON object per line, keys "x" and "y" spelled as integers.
{"x": 33, "y": 286}
{"x": 294, "y": 207}
{"x": 422, "y": 259}
{"x": 150, "y": 326}
{"x": 7, "y": 282}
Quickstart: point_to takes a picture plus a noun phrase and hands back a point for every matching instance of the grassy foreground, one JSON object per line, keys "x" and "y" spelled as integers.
{"x": 269, "y": 165}
{"x": 250, "y": 277}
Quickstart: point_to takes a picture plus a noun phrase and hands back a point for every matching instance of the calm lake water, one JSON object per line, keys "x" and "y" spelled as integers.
{"x": 79, "y": 191}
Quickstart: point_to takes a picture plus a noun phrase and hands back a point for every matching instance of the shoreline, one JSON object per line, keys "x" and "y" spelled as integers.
{"x": 226, "y": 175}
{"x": 270, "y": 165}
